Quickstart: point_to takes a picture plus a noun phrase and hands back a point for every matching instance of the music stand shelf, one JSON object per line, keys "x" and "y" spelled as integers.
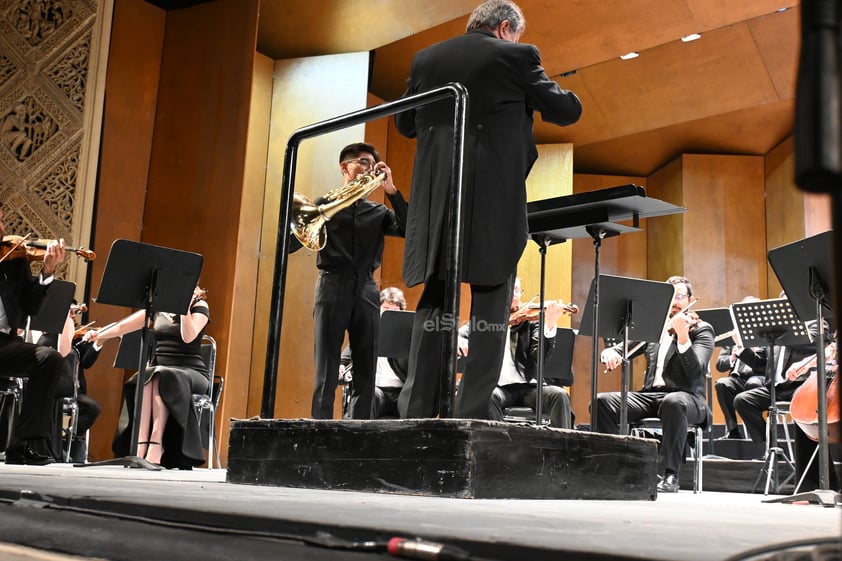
{"x": 766, "y": 323}
{"x": 592, "y": 214}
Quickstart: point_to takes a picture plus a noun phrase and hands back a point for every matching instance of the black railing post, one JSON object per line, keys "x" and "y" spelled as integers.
{"x": 454, "y": 258}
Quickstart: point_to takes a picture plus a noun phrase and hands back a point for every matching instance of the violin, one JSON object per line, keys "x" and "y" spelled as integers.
{"x": 199, "y": 294}
{"x": 694, "y": 321}
{"x": 693, "y": 318}
{"x": 79, "y": 308}
{"x": 80, "y": 332}
{"x": 21, "y": 247}
{"x": 532, "y": 311}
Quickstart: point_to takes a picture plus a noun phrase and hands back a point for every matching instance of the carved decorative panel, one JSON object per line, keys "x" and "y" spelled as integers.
{"x": 45, "y": 49}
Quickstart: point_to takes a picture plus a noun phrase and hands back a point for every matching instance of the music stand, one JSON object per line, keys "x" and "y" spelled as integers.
{"x": 395, "y": 333}
{"x": 559, "y": 365}
{"x": 155, "y": 279}
{"x": 128, "y": 353}
{"x": 633, "y": 309}
{"x": 597, "y": 215}
{"x": 768, "y": 323}
{"x": 53, "y": 312}
{"x": 804, "y": 270}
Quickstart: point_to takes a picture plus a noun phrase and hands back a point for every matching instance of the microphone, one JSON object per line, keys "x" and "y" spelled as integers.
{"x": 430, "y": 551}
{"x": 818, "y": 100}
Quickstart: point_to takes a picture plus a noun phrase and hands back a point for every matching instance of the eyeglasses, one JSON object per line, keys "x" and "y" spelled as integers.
{"x": 680, "y": 297}
{"x": 366, "y": 163}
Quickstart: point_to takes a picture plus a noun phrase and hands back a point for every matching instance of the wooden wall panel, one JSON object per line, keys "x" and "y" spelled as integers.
{"x": 724, "y": 227}
{"x": 137, "y": 38}
{"x": 304, "y": 92}
{"x": 242, "y": 399}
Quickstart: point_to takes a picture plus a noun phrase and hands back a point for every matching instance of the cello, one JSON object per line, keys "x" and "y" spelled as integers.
{"x": 804, "y": 406}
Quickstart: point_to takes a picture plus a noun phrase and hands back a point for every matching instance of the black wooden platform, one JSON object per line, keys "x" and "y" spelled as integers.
{"x": 459, "y": 458}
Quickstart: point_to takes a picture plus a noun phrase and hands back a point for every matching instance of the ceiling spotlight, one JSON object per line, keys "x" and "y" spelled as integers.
{"x": 629, "y": 56}
{"x": 691, "y": 37}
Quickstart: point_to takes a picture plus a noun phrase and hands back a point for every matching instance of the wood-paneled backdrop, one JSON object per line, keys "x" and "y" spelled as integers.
{"x": 186, "y": 148}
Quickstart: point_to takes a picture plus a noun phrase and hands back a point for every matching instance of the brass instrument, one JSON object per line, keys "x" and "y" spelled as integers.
{"x": 308, "y": 219}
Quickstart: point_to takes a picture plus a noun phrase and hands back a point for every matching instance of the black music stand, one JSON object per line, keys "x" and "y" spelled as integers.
{"x": 53, "y": 312}
{"x": 804, "y": 270}
{"x": 632, "y": 309}
{"x": 128, "y": 353}
{"x": 768, "y": 323}
{"x": 155, "y": 279}
{"x": 395, "y": 333}
{"x": 597, "y": 215}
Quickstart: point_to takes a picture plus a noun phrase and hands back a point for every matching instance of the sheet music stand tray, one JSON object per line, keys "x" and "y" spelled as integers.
{"x": 804, "y": 269}
{"x": 631, "y": 309}
{"x": 766, "y": 323}
{"x": 155, "y": 279}
{"x": 597, "y": 215}
{"x": 53, "y": 313}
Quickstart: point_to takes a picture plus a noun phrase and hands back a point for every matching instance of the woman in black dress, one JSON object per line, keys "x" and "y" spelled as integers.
{"x": 169, "y": 432}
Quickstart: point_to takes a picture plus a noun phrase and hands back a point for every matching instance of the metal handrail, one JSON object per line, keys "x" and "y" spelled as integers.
{"x": 454, "y": 248}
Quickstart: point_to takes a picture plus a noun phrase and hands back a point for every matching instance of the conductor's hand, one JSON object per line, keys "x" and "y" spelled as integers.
{"x": 611, "y": 359}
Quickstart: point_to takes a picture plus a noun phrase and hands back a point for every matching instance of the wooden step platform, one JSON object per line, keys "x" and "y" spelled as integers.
{"x": 460, "y": 458}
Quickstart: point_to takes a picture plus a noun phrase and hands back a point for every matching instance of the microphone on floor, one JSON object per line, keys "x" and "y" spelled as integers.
{"x": 429, "y": 551}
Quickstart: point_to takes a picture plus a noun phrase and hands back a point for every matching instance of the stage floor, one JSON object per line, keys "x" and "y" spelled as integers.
{"x": 196, "y": 514}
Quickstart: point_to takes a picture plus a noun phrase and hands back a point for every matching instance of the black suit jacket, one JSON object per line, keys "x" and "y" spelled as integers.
{"x": 758, "y": 358}
{"x": 525, "y": 339}
{"x": 506, "y": 83}
{"x": 682, "y": 371}
{"x": 22, "y": 294}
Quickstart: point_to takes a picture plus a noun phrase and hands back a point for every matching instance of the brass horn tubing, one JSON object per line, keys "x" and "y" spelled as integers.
{"x": 356, "y": 190}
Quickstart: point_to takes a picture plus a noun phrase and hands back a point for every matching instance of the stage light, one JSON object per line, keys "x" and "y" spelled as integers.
{"x": 629, "y": 56}
{"x": 691, "y": 37}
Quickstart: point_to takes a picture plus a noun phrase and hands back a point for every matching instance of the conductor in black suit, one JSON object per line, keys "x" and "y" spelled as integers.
{"x": 21, "y": 295}
{"x": 506, "y": 83}
{"x": 673, "y": 386}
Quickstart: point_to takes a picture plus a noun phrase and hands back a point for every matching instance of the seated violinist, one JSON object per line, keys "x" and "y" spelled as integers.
{"x": 77, "y": 347}
{"x": 21, "y": 294}
{"x": 517, "y": 383}
{"x": 673, "y": 386}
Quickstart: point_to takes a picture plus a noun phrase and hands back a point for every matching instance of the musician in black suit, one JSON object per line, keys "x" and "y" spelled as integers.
{"x": 753, "y": 404}
{"x": 673, "y": 386}
{"x": 21, "y": 295}
{"x": 506, "y": 83}
{"x": 346, "y": 294}
{"x": 517, "y": 380}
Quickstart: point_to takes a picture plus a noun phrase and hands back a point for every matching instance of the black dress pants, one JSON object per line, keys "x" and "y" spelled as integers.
{"x": 677, "y": 411}
{"x": 420, "y": 397}
{"x": 41, "y": 366}
{"x": 345, "y": 301}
